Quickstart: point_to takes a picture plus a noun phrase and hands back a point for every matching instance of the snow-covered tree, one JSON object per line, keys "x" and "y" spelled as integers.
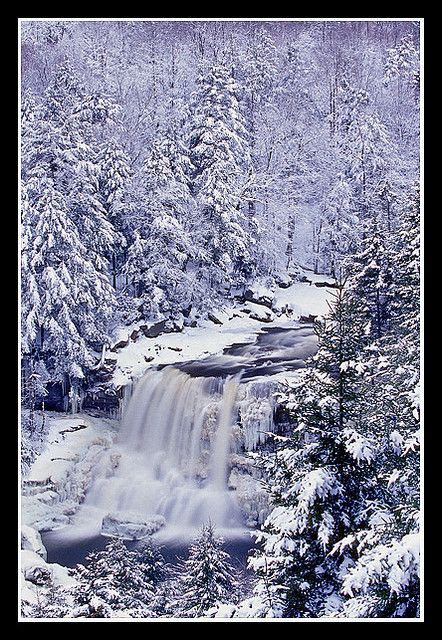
{"x": 111, "y": 580}
{"x": 162, "y": 245}
{"x": 65, "y": 301}
{"x": 370, "y": 275}
{"x": 63, "y": 93}
{"x": 207, "y": 577}
{"x": 364, "y": 145}
{"x": 316, "y": 476}
{"x": 115, "y": 174}
{"x": 221, "y": 161}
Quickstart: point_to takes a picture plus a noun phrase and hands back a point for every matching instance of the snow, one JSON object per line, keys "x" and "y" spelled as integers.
{"x": 63, "y": 449}
{"x": 60, "y": 475}
{"x": 31, "y": 541}
{"x": 305, "y": 299}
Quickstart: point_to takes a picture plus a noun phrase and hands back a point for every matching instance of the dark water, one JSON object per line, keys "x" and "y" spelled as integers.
{"x": 70, "y": 553}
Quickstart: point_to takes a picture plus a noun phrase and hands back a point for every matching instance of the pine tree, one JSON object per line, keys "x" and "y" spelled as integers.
{"x": 207, "y": 577}
{"x": 318, "y": 475}
{"x": 370, "y": 276}
{"x": 364, "y": 145}
{"x": 63, "y": 93}
{"x": 384, "y": 582}
{"x": 341, "y": 225}
{"x": 260, "y": 71}
{"x": 162, "y": 245}
{"x": 59, "y": 315}
{"x": 114, "y": 180}
{"x": 67, "y": 299}
{"x": 111, "y": 578}
{"x": 152, "y": 563}
{"x": 221, "y": 169}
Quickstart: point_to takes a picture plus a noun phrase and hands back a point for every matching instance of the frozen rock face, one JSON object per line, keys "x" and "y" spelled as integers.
{"x": 130, "y": 526}
{"x": 31, "y": 541}
{"x": 252, "y": 498}
{"x": 256, "y": 408}
{"x": 64, "y": 471}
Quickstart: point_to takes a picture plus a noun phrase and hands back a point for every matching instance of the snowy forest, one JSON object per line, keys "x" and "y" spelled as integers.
{"x": 220, "y": 329}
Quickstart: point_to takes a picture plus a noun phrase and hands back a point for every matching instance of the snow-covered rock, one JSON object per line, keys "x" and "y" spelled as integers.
{"x": 130, "y": 526}
{"x": 62, "y": 473}
{"x": 283, "y": 280}
{"x": 259, "y": 312}
{"x": 31, "y": 541}
{"x": 260, "y": 295}
{"x": 34, "y": 568}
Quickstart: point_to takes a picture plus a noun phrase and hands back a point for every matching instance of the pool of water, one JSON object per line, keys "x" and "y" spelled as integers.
{"x": 70, "y": 552}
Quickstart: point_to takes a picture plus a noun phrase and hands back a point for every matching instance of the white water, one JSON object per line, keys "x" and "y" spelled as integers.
{"x": 179, "y": 428}
{"x": 172, "y": 454}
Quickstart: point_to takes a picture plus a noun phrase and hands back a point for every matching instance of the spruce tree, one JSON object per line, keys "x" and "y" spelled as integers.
{"x": 113, "y": 579}
{"x": 384, "y": 581}
{"x": 318, "y": 474}
{"x": 221, "y": 163}
{"x": 207, "y": 577}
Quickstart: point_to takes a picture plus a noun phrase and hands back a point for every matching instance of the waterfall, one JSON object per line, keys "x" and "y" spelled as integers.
{"x": 221, "y": 444}
{"x": 171, "y": 456}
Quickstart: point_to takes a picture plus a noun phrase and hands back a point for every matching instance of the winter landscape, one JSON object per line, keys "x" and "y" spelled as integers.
{"x": 220, "y": 300}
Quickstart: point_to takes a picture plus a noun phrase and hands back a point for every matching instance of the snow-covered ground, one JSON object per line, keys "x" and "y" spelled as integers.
{"x": 299, "y": 299}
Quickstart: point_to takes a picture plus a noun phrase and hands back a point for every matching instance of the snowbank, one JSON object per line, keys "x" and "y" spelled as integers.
{"x": 59, "y": 477}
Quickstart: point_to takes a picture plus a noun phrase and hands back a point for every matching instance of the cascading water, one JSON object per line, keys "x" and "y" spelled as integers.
{"x": 172, "y": 453}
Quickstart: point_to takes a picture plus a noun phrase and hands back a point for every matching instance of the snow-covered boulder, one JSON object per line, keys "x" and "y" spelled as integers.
{"x": 120, "y": 339}
{"x": 34, "y": 568}
{"x": 130, "y": 526}
{"x": 31, "y": 541}
{"x": 219, "y": 316}
{"x": 154, "y": 330}
{"x": 259, "y": 295}
{"x": 283, "y": 280}
{"x": 259, "y": 312}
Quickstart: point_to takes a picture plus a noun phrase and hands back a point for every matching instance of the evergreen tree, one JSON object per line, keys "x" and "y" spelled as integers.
{"x": 67, "y": 299}
{"x": 221, "y": 168}
{"x": 318, "y": 476}
{"x": 111, "y": 580}
{"x": 363, "y": 144}
{"x": 114, "y": 179}
{"x": 207, "y": 577}
{"x": 341, "y": 225}
{"x": 384, "y": 581}
{"x": 63, "y": 93}
{"x": 162, "y": 246}
{"x": 64, "y": 299}
{"x": 371, "y": 276}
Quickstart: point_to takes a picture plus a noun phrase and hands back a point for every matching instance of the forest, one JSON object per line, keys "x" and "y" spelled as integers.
{"x": 220, "y": 329}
